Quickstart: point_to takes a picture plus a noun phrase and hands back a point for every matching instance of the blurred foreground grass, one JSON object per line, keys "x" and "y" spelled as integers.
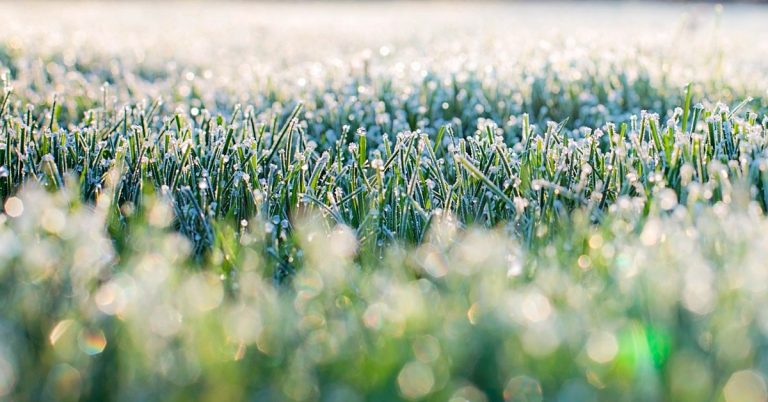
{"x": 670, "y": 311}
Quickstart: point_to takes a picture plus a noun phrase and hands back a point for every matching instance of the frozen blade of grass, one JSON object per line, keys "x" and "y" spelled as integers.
{"x": 287, "y": 126}
{"x": 362, "y": 155}
{"x": 559, "y": 129}
{"x": 439, "y": 139}
{"x": 474, "y": 171}
{"x": 687, "y": 107}
{"x": 391, "y": 159}
{"x": 320, "y": 167}
{"x": 738, "y": 107}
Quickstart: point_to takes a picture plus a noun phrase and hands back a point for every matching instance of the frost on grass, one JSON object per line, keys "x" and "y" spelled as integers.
{"x": 349, "y": 216}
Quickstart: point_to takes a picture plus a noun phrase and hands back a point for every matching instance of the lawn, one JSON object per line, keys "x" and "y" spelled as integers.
{"x": 383, "y": 201}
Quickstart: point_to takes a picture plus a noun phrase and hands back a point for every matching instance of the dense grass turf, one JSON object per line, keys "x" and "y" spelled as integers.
{"x": 576, "y": 220}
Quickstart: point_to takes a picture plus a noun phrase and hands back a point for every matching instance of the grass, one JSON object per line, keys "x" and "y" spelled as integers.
{"x": 577, "y": 230}
{"x": 231, "y": 169}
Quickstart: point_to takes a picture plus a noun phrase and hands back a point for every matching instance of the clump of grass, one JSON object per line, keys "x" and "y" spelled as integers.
{"x": 233, "y": 169}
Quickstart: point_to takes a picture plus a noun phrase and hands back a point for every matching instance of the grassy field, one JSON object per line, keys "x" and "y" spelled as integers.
{"x": 385, "y": 201}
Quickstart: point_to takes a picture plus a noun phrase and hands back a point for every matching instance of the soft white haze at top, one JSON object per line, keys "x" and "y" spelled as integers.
{"x": 238, "y": 44}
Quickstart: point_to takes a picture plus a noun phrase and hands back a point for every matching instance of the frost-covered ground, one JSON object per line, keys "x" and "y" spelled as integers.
{"x": 384, "y": 201}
